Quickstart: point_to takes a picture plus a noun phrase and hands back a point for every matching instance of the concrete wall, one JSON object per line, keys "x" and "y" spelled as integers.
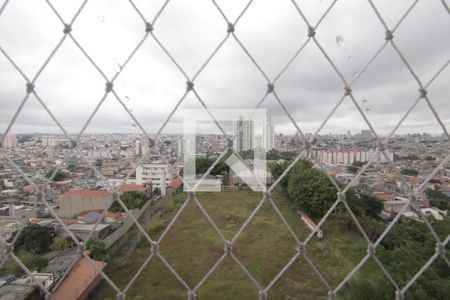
{"x": 72, "y": 205}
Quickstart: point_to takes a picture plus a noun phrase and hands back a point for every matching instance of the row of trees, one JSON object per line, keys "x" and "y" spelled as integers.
{"x": 438, "y": 199}
{"x": 403, "y": 251}
{"x": 413, "y": 157}
{"x": 39, "y": 240}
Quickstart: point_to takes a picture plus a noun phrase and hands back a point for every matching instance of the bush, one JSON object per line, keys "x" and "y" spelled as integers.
{"x": 60, "y": 243}
{"x": 156, "y": 227}
{"x": 35, "y": 239}
{"x": 277, "y": 169}
{"x": 131, "y": 199}
{"x": 97, "y": 249}
{"x": 409, "y": 172}
{"x": 311, "y": 189}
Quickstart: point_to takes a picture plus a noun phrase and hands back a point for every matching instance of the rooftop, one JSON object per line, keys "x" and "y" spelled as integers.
{"x": 132, "y": 187}
{"x": 78, "y": 280}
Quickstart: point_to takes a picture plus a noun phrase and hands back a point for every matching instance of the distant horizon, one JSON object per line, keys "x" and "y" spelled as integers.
{"x": 434, "y": 134}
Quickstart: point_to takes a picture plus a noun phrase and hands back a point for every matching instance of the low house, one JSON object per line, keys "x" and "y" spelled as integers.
{"x": 82, "y": 279}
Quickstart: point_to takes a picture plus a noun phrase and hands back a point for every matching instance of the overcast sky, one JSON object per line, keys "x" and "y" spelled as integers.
{"x": 272, "y": 31}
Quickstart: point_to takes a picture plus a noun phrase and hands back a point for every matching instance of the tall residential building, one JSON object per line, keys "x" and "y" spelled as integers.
{"x": 243, "y": 129}
{"x": 367, "y": 135}
{"x": 10, "y": 141}
{"x": 138, "y": 149}
{"x": 48, "y": 141}
{"x": 141, "y": 149}
{"x": 269, "y": 134}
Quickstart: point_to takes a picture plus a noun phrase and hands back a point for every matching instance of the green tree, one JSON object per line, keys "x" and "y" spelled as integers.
{"x": 311, "y": 189}
{"x": 202, "y": 165}
{"x": 438, "y": 199}
{"x": 131, "y": 199}
{"x": 97, "y": 249}
{"x": 409, "y": 172}
{"x": 352, "y": 169}
{"x": 35, "y": 238}
{"x": 59, "y": 176}
{"x": 277, "y": 169}
{"x": 364, "y": 205}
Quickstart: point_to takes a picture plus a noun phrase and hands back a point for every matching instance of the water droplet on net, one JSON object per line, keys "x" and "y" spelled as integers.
{"x": 340, "y": 41}
{"x": 355, "y": 74}
{"x": 126, "y": 99}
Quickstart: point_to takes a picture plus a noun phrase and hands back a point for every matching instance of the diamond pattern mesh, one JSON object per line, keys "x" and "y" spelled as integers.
{"x": 231, "y": 32}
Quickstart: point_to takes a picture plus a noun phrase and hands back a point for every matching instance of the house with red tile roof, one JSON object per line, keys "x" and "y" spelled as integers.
{"x": 82, "y": 279}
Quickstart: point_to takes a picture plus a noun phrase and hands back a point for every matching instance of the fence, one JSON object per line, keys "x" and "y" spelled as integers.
{"x": 231, "y": 32}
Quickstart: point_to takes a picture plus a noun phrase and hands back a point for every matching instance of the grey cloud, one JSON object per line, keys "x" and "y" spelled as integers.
{"x": 271, "y": 31}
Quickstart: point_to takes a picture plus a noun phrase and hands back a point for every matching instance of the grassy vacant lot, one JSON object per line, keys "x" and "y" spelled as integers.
{"x": 265, "y": 246}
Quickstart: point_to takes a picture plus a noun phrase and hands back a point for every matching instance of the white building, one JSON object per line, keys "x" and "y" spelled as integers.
{"x": 348, "y": 156}
{"x": 141, "y": 149}
{"x": 100, "y": 153}
{"x": 243, "y": 129}
{"x": 48, "y": 141}
{"x": 158, "y": 173}
{"x": 268, "y": 131}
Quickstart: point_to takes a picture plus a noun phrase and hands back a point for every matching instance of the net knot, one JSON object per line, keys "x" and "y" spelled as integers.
{"x": 347, "y": 91}
{"x": 81, "y": 247}
{"x": 371, "y": 250}
{"x": 230, "y": 28}
{"x": 423, "y": 93}
{"x": 109, "y": 87}
{"x": 228, "y": 247}
{"x": 192, "y": 295}
{"x": 311, "y": 32}
{"x": 440, "y": 249}
{"x": 120, "y": 296}
{"x": 155, "y": 248}
{"x": 148, "y": 27}
{"x": 398, "y": 295}
{"x": 67, "y": 28}
{"x": 30, "y": 87}
{"x": 331, "y": 295}
{"x": 189, "y": 86}
{"x": 262, "y": 295}
{"x": 388, "y": 35}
